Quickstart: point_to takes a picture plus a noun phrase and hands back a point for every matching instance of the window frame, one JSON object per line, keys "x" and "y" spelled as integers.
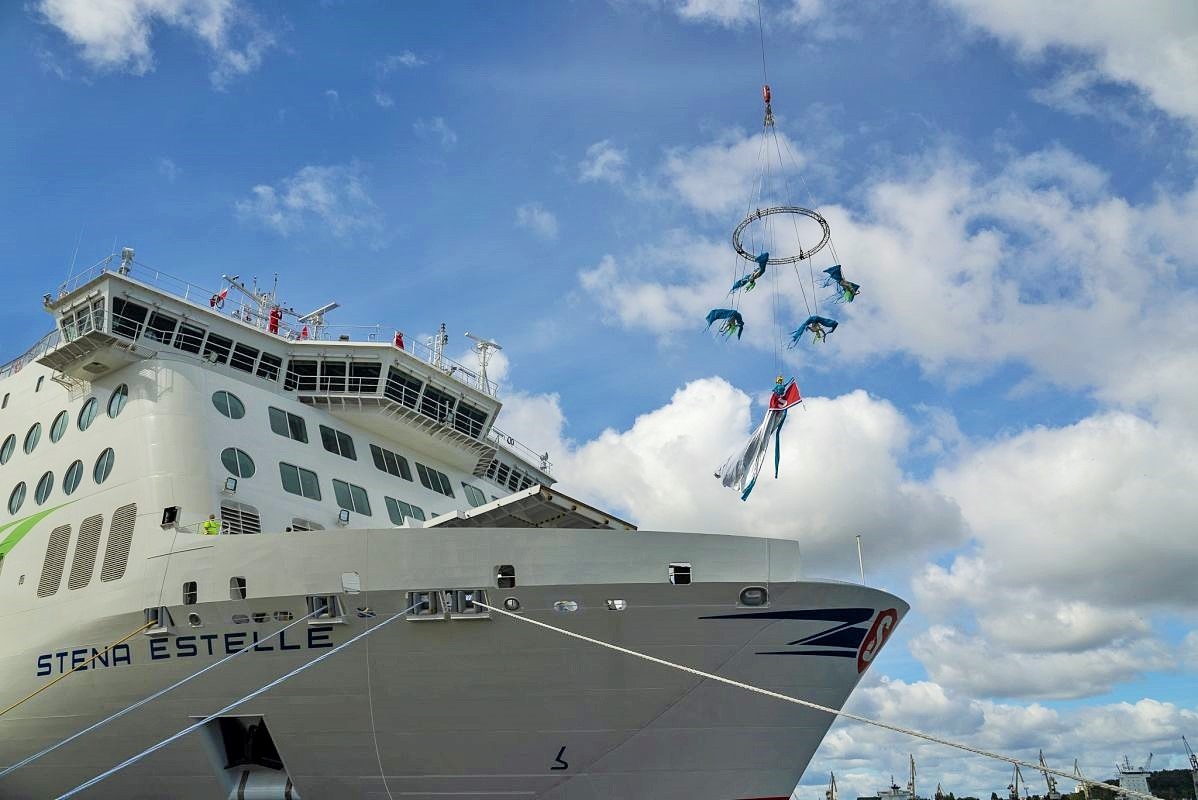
{"x": 228, "y": 409}
{"x": 109, "y": 462}
{"x": 352, "y": 497}
{"x": 92, "y": 405}
{"x": 338, "y": 442}
{"x": 299, "y": 480}
{"x": 119, "y": 398}
{"x": 238, "y": 455}
{"x": 290, "y": 423}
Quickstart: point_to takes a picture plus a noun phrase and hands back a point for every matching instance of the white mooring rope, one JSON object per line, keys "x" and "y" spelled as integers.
{"x": 145, "y": 700}
{"x": 180, "y": 734}
{"x": 815, "y": 706}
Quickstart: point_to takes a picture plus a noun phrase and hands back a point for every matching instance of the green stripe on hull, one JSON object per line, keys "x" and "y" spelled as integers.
{"x": 20, "y": 527}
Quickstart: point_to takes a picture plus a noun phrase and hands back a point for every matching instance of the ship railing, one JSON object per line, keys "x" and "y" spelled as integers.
{"x": 525, "y": 452}
{"x": 47, "y": 342}
{"x": 294, "y": 332}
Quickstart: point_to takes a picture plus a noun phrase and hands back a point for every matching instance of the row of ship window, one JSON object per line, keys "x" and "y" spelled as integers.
{"x": 58, "y": 428}
{"x": 70, "y": 481}
{"x": 297, "y": 480}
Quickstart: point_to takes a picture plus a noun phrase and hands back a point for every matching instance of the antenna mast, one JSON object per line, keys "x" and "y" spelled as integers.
{"x": 485, "y": 348}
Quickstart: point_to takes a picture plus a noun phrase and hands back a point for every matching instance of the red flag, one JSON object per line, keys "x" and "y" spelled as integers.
{"x": 787, "y": 397}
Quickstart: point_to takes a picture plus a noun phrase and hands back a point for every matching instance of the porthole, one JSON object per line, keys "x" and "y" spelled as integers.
{"x": 44, "y": 487}
{"x": 33, "y": 437}
{"x": 16, "y": 498}
{"x": 70, "y": 481}
{"x": 228, "y": 404}
{"x": 238, "y": 462}
{"x": 6, "y": 449}
{"x": 103, "y": 465}
{"x": 116, "y": 403}
{"x": 59, "y": 427}
{"x": 87, "y": 414}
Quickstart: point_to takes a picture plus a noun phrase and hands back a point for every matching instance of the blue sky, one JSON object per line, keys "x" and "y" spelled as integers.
{"x": 1005, "y": 414}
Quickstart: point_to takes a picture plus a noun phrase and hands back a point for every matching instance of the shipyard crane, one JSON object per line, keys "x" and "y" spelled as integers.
{"x": 1193, "y": 764}
{"x": 1013, "y": 787}
{"x": 1053, "y": 794}
{"x": 1083, "y": 786}
{"x": 911, "y": 783}
{"x": 832, "y": 793}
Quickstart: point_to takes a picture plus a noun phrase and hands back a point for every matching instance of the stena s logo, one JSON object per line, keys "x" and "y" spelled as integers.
{"x": 882, "y": 628}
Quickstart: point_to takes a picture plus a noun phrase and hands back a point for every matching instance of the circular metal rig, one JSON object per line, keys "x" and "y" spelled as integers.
{"x": 765, "y": 212}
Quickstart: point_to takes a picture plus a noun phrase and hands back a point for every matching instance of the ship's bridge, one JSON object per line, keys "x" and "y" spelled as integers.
{"x": 110, "y": 318}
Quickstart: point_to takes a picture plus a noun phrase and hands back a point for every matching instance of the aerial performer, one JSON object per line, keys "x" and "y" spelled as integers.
{"x": 820, "y": 327}
{"x": 732, "y": 323}
{"x": 846, "y": 290}
{"x": 749, "y": 282}
{"x": 741, "y": 470}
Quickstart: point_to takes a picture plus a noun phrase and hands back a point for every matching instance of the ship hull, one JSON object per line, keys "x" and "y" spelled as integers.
{"x": 440, "y": 707}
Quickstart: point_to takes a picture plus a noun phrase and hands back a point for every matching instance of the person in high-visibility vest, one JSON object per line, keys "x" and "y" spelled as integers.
{"x": 211, "y": 525}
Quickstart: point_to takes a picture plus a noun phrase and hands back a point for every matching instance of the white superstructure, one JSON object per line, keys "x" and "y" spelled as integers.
{"x": 352, "y": 480}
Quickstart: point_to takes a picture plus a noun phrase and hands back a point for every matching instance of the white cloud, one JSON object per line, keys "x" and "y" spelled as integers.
{"x": 660, "y": 472}
{"x": 1084, "y": 509}
{"x": 333, "y": 198}
{"x": 405, "y": 60}
{"x": 603, "y": 162}
{"x": 534, "y": 217}
{"x": 167, "y": 169}
{"x": 1152, "y": 46}
{"x": 1036, "y": 264}
{"x": 383, "y": 99}
{"x": 115, "y": 34}
{"x": 721, "y": 178}
{"x": 739, "y": 13}
{"x": 436, "y": 127}
{"x": 1095, "y": 736}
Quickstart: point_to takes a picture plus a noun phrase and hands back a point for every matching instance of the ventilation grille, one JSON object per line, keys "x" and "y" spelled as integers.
{"x": 120, "y": 536}
{"x": 298, "y": 524}
{"x": 84, "y": 562}
{"x": 240, "y": 518}
{"x": 56, "y": 559}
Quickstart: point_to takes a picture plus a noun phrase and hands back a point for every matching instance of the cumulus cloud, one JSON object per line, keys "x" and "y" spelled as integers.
{"x": 114, "y": 35}
{"x": 331, "y": 198}
{"x": 604, "y": 162}
{"x": 1095, "y": 736}
{"x": 534, "y": 217}
{"x": 383, "y": 99}
{"x": 659, "y": 472}
{"x": 1037, "y": 263}
{"x": 719, "y": 178}
{"x": 436, "y": 128}
{"x": 1152, "y": 46}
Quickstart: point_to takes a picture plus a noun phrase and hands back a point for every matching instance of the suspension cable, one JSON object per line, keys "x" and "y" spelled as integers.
{"x": 808, "y": 704}
{"x": 180, "y": 734}
{"x": 129, "y": 709}
{"x": 81, "y": 666}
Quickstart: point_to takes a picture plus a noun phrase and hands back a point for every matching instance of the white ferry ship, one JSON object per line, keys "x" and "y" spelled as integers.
{"x": 354, "y": 480}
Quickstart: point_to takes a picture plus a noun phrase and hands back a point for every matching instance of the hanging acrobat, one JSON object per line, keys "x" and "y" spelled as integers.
{"x": 741, "y": 470}
{"x": 846, "y": 290}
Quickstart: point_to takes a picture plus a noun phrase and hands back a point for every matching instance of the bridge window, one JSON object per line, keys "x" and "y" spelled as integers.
{"x": 244, "y": 357}
{"x": 189, "y": 338}
{"x": 269, "y": 366}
